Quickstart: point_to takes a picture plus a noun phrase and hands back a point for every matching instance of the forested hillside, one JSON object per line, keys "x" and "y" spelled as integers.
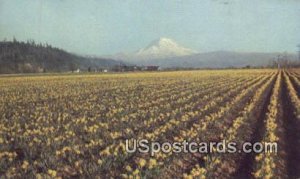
{"x": 30, "y": 57}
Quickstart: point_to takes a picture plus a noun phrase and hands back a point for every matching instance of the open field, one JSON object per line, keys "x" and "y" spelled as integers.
{"x": 76, "y": 125}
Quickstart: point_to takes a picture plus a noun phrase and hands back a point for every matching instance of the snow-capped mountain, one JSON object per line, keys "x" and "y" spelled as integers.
{"x": 161, "y": 48}
{"x": 166, "y": 53}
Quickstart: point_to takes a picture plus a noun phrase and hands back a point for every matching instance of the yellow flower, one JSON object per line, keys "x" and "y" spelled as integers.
{"x": 128, "y": 168}
{"x": 152, "y": 163}
{"x": 38, "y": 176}
{"x": 25, "y": 165}
{"x": 58, "y": 152}
{"x": 52, "y": 173}
{"x": 136, "y": 172}
{"x": 124, "y": 176}
{"x": 77, "y": 151}
{"x": 105, "y": 152}
{"x": 257, "y": 174}
{"x": 185, "y": 176}
{"x": 99, "y": 162}
{"x": 142, "y": 163}
{"x": 258, "y": 157}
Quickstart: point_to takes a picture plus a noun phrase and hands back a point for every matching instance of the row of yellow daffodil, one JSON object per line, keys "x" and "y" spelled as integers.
{"x": 293, "y": 95}
{"x": 241, "y": 126}
{"x": 236, "y": 102}
{"x": 266, "y": 163}
{"x": 194, "y": 130}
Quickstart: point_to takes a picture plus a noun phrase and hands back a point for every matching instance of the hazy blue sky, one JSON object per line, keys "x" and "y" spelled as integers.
{"x": 110, "y": 26}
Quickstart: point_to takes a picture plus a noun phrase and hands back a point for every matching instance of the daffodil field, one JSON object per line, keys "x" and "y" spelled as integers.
{"x": 75, "y": 125}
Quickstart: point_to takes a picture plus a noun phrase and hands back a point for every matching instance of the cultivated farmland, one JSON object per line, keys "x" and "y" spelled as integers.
{"x": 76, "y": 125}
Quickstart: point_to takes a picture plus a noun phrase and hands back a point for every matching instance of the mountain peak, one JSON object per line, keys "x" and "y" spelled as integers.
{"x": 162, "y": 41}
{"x": 163, "y": 48}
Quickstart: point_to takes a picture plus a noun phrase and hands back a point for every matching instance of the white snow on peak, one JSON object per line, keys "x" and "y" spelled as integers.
{"x": 163, "y": 48}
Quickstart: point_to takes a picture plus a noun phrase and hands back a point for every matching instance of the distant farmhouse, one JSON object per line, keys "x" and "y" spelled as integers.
{"x": 127, "y": 68}
{"x": 151, "y": 68}
{"x": 120, "y": 68}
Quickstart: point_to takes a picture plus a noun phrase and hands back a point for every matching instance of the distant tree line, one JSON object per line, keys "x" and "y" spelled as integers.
{"x": 31, "y": 57}
{"x": 284, "y": 61}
